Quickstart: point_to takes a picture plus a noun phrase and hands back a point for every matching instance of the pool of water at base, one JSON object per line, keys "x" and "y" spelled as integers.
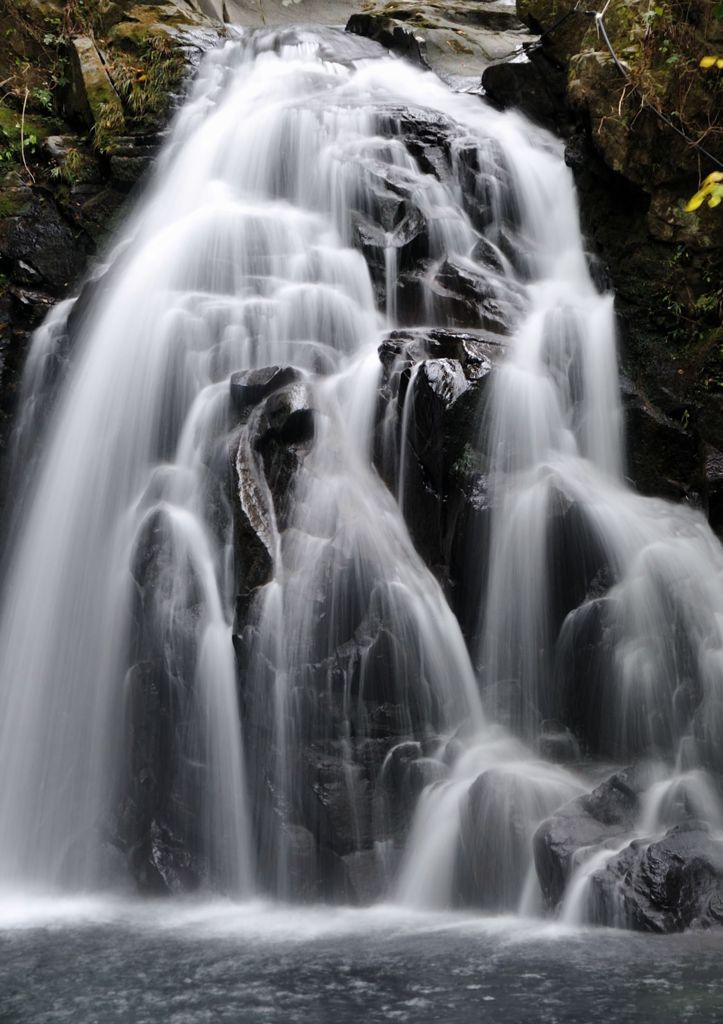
{"x": 84, "y": 961}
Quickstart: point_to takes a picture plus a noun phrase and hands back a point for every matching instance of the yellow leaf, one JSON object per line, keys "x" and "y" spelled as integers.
{"x": 708, "y": 62}
{"x": 711, "y": 190}
{"x": 713, "y": 177}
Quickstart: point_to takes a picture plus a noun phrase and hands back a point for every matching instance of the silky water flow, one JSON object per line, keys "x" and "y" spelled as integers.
{"x": 144, "y": 704}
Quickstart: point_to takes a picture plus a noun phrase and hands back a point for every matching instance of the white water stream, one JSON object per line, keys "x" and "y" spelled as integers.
{"x": 242, "y": 255}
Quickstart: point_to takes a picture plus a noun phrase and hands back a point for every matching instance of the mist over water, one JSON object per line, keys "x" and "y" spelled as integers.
{"x": 254, "y": 248}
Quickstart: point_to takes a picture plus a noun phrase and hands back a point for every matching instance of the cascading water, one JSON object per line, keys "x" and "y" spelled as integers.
{"x": 222, "y": 653}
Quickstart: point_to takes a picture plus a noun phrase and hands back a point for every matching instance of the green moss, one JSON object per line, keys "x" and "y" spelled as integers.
{"x": 18, "y": 134}
{"x": 12, "y": 202}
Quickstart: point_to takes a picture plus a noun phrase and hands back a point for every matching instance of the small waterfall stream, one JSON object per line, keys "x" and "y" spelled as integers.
{"x": 223, "y": 659}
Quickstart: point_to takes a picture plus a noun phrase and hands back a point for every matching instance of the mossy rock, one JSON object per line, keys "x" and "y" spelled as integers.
{"x": 13, "y": 201}
{"x": 668, "y": 221}
{"x": 22, "y": 136}
{"x": 143, "y": 24}
{"x": 92, "y": 97}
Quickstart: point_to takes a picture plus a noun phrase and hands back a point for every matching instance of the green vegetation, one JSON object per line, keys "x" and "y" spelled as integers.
{"x": 144, "y": 79}
{"x": 133, "y": 64}
{"x": 21, "y": 135}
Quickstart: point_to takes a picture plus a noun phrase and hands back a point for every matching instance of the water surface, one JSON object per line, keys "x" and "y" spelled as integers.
{"x": 91, "y": 962}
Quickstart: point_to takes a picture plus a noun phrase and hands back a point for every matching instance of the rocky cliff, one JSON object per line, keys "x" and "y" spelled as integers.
{"x": 86, "y": 92}
{"x": 641, "y": 133}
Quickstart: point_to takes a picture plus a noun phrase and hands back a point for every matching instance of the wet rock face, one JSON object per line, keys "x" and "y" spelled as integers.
{"x": 494, "y": 851}
{"x": 389, "y": 224}
{"x": 159, "y": 812}
{"x": 664, "y": 883}
{"x": 585, "y": 671}
{"x": 155, "y": 824}
{"x": 248, "y": 387}
{"x": 530, "y": 85}
{"x": 599, "y": 819}
{"x": 713, "y": 486}
{"x": 349, "y": 795}
{"x": 456, "y": 295}
{"x": 394, "y": 226}
{"x": 265, "y": 458}
{"x": 664, "y": 455}
{"x": 664, "y": 886}
{"x": 37, "y": 246}
{"x": 430, "y": 414}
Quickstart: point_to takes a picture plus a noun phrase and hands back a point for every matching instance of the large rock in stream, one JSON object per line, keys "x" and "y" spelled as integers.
{"x": 664, "y": 883}
{"x": 667, "y": 885}
{"x": 599, "y": 819}
{"x": 429, "y": 446}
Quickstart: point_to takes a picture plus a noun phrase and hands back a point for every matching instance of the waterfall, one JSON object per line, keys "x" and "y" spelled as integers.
{"x": 225, "y": 660}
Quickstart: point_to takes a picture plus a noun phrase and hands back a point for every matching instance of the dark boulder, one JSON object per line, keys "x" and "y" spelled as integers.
{"x": 532, "y": 84}
{"x": 37, "y": 246}
{"x": 428, "y": 448}
{"x": 405, "y": 241}
{"x": 165, "y": 864}
{"x": 388, "y": 33}
{"x": 665, "y": 886}
{"x": 397, "y": 796}
{"x": 388, "y": 222}
{"x": 663, "y": 453}
{"x": 578, "y": 564}
{"x": 155, "y": 824}
{"x": 584, "y": 673}
{"x": 166, "y": 604}
{"x": 339, "y": 803}
{"x": 265, "y": 458}
{"x": 713, "y": 484}
{"x": 599, "y": 819}
{"x": 428, "y": 135}
{"x": 437, "y": 385}
{"x": 287, "y": 417}
{"x": 460, "y": 296}
{"x": 448, "y": 369}
{"x": 425, "y": 771}
{"x": 494, "y": 850}
{"x": 249, "y": 387}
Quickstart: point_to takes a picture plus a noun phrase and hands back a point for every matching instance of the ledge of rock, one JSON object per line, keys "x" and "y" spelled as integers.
{"x": 457, "y": 40}
{"x": 91, "y": 95}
